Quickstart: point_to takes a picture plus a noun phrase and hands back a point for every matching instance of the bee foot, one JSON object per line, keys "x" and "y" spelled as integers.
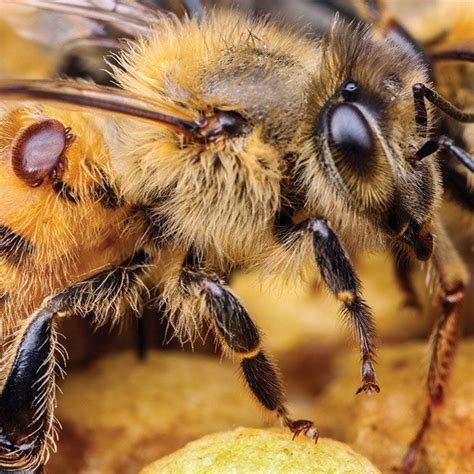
{"x": 302, "y": 426}
{"x": 368, "y": 377}
{"x": 409, "y": 460}
{"x": 368, "y": 387}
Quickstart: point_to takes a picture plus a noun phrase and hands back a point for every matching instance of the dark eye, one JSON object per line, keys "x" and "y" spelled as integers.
{"x": 350, "y": 135}
{"x": 231, "y": 123}
{"x": 350, "y": 91}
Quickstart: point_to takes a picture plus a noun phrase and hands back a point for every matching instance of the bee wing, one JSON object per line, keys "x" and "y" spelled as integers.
{"x": 98, "y": 22}
{"x": 159, "y": 110}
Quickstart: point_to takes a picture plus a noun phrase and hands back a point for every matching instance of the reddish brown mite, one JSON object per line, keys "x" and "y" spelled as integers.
{"x": 39, "y": 152}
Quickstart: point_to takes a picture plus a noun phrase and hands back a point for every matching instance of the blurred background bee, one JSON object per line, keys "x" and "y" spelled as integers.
{"x": 97, "y": 192}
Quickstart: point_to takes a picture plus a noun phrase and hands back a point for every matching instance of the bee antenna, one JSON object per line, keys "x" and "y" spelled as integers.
{"x": 92, "y": 96}
{"x": 194, "y": 9}
{"x": 453, "y": 55}
{"x": 421, "y": 92}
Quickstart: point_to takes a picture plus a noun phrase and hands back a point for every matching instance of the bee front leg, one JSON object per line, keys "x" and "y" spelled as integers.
{"x": 339, "y": 276}
{"x": 458, "y": 186}
{"x": 240, "y": 336}
{"x": 27, "y": 383}
{"x": 445, "y": 143}
{"x": 452, "y": 280}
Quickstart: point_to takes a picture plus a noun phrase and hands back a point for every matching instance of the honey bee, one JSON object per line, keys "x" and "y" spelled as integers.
{"x": 231, "y": 142}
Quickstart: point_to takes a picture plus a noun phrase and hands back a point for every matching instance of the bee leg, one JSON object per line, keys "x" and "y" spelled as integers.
{"x": 27, "y": 395}
{"x": 141, "y": 337}
{"x": 27, "y": 384}
{"x": 403, "y": 266}
{"x": 240, "y": 336}
{"x": 453, "y": 55}
{"x": 340, "y": 277}
{"x": 445, "y": 143}
{"x": 452, "y": 279}
{"x": 457, "y": 185}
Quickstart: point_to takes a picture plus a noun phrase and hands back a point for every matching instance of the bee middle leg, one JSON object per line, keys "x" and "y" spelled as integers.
{"x": 404, "y": 268}
{"x": 240, "y": 336}
{"x": 452, "y": 280}
{"x": 458, "y": 186}
{"x": 27, "y": 381}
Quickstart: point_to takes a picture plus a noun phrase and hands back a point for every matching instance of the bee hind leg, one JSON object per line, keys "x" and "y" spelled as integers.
{"x": 27, "y": 395}
{"x": 28, "y": 379}
{"x": 452, "y": 279}
{"x": 240, "y": 336}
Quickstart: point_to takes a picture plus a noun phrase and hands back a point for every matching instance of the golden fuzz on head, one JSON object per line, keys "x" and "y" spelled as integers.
{"x": 384, "y": 74}
{"x": 384, "y": 71}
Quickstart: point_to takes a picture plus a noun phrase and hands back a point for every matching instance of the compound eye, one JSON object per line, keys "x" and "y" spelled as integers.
{"x": 38, "y": 151}
{"x": 350, "y": 91}
{"x": 350, "y": 135}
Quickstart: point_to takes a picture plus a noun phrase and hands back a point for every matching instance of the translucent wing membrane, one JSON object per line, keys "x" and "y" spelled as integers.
{"x": 90, "y": 96}
{"x": 93, "y": 42}
{"x": 79, "y": 18}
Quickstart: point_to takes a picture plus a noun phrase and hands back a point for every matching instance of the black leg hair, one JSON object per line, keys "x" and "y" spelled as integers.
{"x": 340, "y": 277}
{"x": 26, "y": 418}
{"x": 240, "y": 336}
{"x": 28, "y": 376}
{"x": 445, "y": 143}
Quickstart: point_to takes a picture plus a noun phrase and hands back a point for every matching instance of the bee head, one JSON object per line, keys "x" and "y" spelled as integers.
{"x": 361, "y": 121}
